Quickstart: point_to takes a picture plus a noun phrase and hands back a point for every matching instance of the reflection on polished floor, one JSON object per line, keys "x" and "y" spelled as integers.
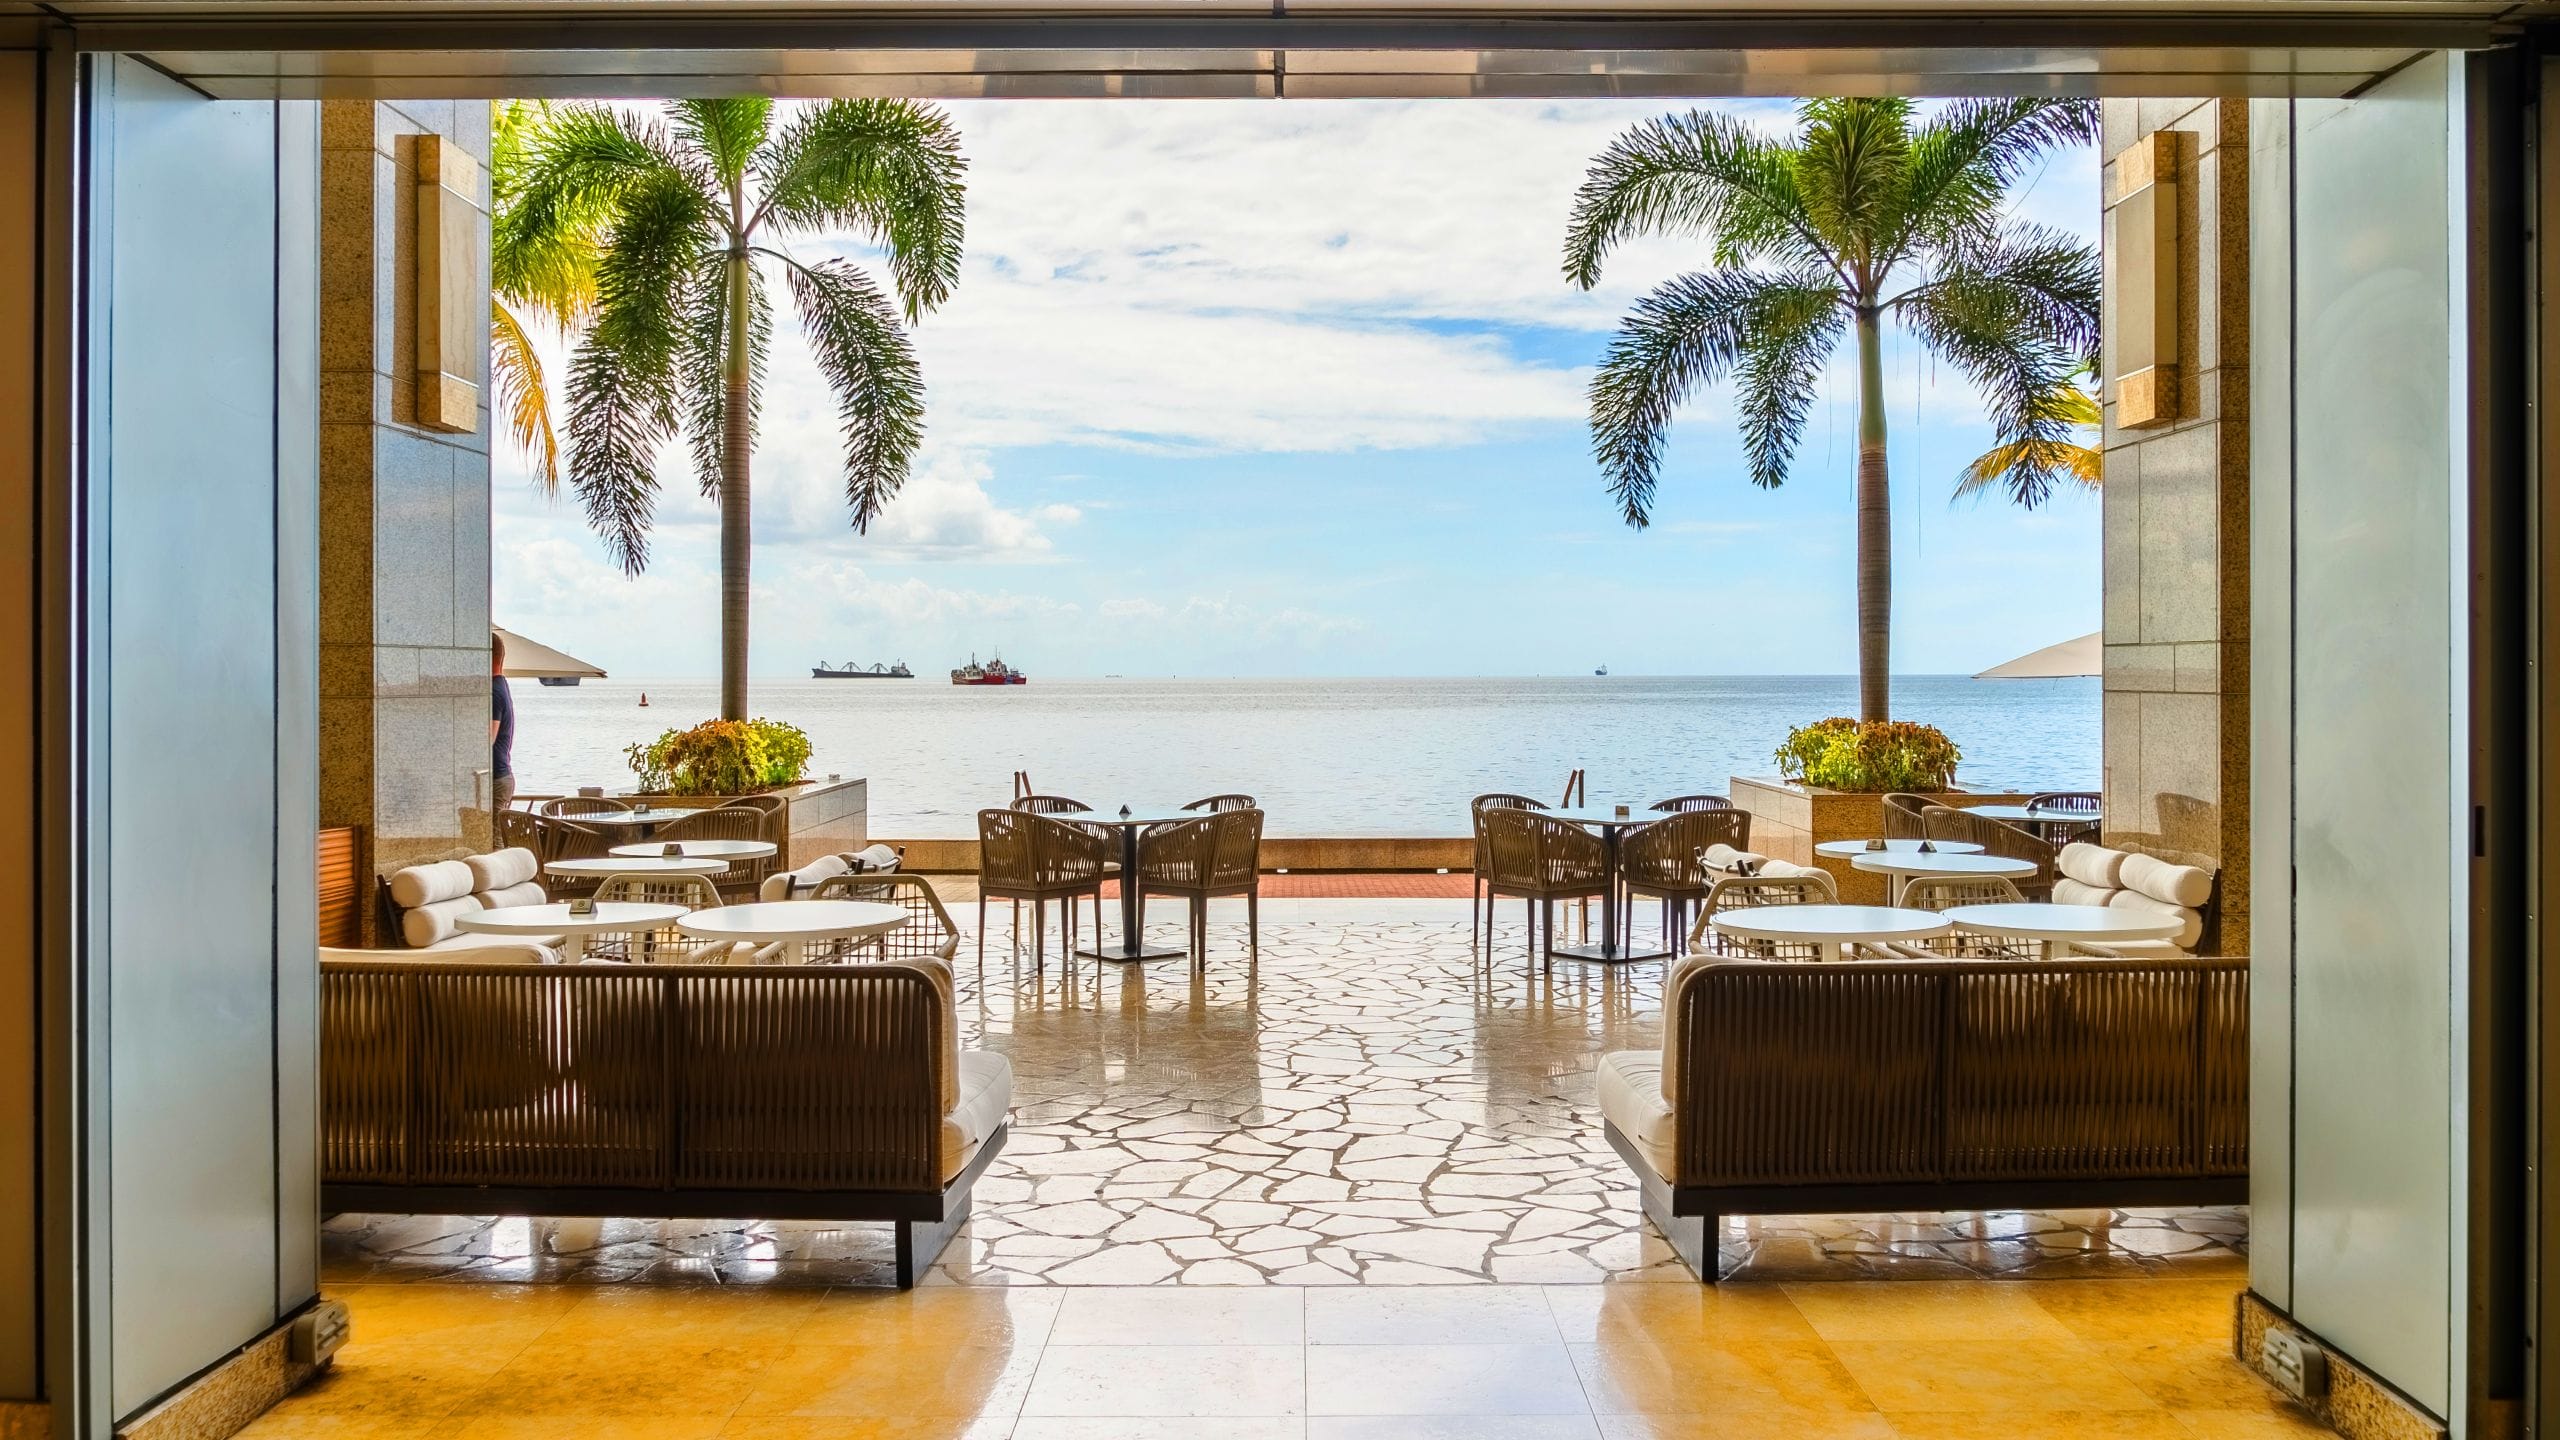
{"x": 1355, "y": 1192}
{"x": 1365, "y": 1106}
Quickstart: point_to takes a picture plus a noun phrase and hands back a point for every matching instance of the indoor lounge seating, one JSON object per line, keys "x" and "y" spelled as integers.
{"x": 2152, "y": 884}
{"x": 420, "y": 903}
{"x": 466, "y": 1087}
{"x": 1891, "y": 1085}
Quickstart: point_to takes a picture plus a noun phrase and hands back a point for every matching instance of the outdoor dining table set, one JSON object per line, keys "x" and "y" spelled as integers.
{"x": 784, "y": 930}
{"x": 1835, "y": 929}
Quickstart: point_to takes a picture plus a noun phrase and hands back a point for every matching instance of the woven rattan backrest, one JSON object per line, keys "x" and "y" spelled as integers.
{"x": 1235, "y": 846}
{"x": 1181, "y": 853}
{"x": 573, "y": 805}
{"x": 1752, "y": 892}
{"x": 1997, "y": 838}
{"x": 719, "y": 822}
{"x": 562, "y": 1077}
{"x": 1682, "y": 804}
{"x": 1902, "y": 816}
{"x": 1568, "y": 856}
{"x": 519, "y": 828}
{"x": 1050, "y": 805}
{"x": 928, "y": 931}
{"x": 1221, "y": 804}
{"x": 2078, "y": 802}
{"x": 1666, "y": 851}
{"x": 694, "y": 892}
{"x": 1945, "y": 892}
{"x": 1883, "y": 1071}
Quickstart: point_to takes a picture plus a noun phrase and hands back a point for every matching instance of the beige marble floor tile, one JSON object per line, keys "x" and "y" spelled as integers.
{"x": 1639, "y": 1377}
{"x": 1128, "y": 1427}
{"x": 1434, "y": 1315}
{"x": 1443, "y": 1380}
{"x": 1170, "y": 1380}
{"x": 1677, "y": 1312}
{"x": 1175, "y": 1316}
{"x": 1452, "y": 1427}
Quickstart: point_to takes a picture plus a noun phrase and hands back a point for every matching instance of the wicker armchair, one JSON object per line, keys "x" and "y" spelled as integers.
{"x": 928, "y": 930}
{"x": 1028, "y": 856}
{"x": 517, "y": 829}
{"x": 1221, "y": 804}
{"x": 1903, "y": 816}
{"x": 1684, "y": 804}
{"x": 744, "y": 877}
{"x": 1541, "y": 860}
{"x": 557, "y": 839}
{"x": 1048, "y": 805}
{"x": 1752, "y": 892}
{"x": 1480, "y": 907}
{"x": 1217, "y": 854}
{"x": 666, "y": 944}
{"x": 1937, "y": 893}
{"x": 1996, "y": 838}
{"x": 1663, "y": 860}
{"x": 583, "y": 805}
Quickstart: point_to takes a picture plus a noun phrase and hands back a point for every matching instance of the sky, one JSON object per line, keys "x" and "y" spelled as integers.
{"x": 1280, "y": 388}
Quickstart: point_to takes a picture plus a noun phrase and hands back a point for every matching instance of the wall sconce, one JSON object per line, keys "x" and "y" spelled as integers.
{"x": 452, "y": 305}
{"x": 2146, "y": 275}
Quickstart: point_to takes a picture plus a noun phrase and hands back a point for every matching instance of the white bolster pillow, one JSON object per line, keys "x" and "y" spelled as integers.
{"x": 427, "y": 884}
{"x": 1721, "y": 856}
{"x": 877, "y": 858}
{"x": 2176, "y": 884}
{"x": 501, "y": 868}
{"x": 529, "y": 892}
{"x": 2191, "y": 924}
{"x": 2067, "y": 891}
{"x": 808, "y": 877}
{"x": 424, "y": 925}
{"x": 1785, "y": 870}
{"x": 2092, "y": 865}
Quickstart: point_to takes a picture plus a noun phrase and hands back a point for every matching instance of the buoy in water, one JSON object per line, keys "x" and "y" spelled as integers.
{"x": 644, "y": 699}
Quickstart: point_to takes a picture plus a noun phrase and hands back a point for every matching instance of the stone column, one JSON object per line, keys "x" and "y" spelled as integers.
{"x": 2176, "y": 516}
{"x": 404, "y": 500}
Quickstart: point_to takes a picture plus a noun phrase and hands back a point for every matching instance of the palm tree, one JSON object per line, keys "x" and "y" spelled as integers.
{"x": 549, "y": 275}
{"x": 1870, "y": 212}
{"x": 696, "y": 208}
{"x": 2081, "y": 464}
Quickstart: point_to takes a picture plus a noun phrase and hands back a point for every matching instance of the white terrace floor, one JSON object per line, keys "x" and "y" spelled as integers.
{"x": 1364, "y": 1106}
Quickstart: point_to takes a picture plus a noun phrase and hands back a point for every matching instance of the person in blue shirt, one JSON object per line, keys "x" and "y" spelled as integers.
{"x": 502, "y": 728}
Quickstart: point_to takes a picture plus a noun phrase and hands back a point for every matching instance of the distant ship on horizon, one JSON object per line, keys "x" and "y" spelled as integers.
{"x": 856, "y": 670}
{"x": 994, "y": 672}
{"x": 1603, "y": 670}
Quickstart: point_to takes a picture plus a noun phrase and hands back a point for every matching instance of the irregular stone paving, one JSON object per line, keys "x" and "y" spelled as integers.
{"x": 1367, "y": 1105}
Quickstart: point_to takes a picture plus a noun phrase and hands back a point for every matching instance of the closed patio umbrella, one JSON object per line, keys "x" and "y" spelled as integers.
{"x": 2053, "y": 662}
{"x": 533, "y": 660}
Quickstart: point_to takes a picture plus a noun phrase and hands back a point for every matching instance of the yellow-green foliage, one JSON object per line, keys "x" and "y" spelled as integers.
{"x": 721, "y": 757}
{"x": 1841, "y": 754}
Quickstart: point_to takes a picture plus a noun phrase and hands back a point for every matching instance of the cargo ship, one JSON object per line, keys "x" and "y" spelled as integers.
{"x": 855, "y": 670}
{"x": 994, "y": 672}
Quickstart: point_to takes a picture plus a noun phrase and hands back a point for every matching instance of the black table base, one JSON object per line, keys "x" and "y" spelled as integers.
{"x": 1133, "y": 947}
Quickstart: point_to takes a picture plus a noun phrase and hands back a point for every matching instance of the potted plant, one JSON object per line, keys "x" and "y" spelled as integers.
{"x": 722, "y": 757}
{"x": 1831, "y": 778}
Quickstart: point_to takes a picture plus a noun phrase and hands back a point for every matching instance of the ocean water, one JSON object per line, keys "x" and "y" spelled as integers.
{"x": 1325, "y": 757}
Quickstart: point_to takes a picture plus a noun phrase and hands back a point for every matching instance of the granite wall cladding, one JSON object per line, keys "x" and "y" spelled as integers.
{"x": 2176, "y": 525}
{"x": 404, "y": 512}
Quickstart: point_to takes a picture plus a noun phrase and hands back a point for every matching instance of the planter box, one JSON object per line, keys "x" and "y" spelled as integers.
{"x": 1788, "y": 820}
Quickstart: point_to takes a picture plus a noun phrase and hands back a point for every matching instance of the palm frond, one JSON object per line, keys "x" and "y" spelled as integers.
{"x": 1689, "y": 333}
{"x": 2080, "y": 464}
{"x": 888, "y": 170}
{"x": 1967, "y": 155}
{"x": 1698, "y": 172}
{"x": 515, "y": 372}
{"x": 1792, "y": 327}
{"x": 704, "y": 366}
{"x": 727, "y": 132}
{"x": 623, "y": 381}
{"x": 2019, "y": 317}
{"x": 863, "y": 350}
{"x": 1851, "y": 172}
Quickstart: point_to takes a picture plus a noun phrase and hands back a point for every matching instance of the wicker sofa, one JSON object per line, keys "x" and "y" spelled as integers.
{"x": 1868, "y": 1086}
{"x": 451, "y": 1086}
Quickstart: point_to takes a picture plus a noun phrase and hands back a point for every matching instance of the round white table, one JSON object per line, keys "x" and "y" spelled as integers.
{"x": 1901, "y": 867}
{"x": 637, "y": 821}
{"x": 2042, "y": 820}
{"x": 601, "y": 867}
{"x": 1852, "y": 849}
{"x": 2064, "y": 924}
{"x": 697, "y": 850}
{"x": 609, "y": 917}
{"x": 1831, "y": 926}
{"x": 792, "y": 924}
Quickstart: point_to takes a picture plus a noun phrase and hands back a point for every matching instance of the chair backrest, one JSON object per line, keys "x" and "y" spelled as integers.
{"x": 519, "y": 829}
{"x": 1236, "y": 843}
{"x": 1536, "y": 852}
{"x": 1023, "y": 849}
{"x": 610, "y": 1077}
{"x": 1902, "y": 816}
{"x": 1666, "y": 851}
{"x": 1944, "y": 892}
{"x": 1945, "y": 822}
{"x": 1505, "y": 800}
{"x": 1221, "y": 804}
{"x": 718, "y": 822}
{"x": 572, "y": 805}
{"x": 1215, "y": 852}
{"x": 1752, "y": 892}
{"x": 1961, "y": 1070}
{"x": 928, "y": 930}
{"x": 1049, "y": 805}
{"x": 693, "y": 892}
{"x": 1683, "y": 804}
{"x": 2078, "y": 802}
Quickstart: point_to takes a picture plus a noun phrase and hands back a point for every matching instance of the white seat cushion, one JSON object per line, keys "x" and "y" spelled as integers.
{"x": 477, "y": 949}
{"x": 547, "y": 946}
{"x": 986, "y": 1098}
{"x": 1630, "y": 1083}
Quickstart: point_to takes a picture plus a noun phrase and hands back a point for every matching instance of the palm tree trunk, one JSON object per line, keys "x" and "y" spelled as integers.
{"x": 1875, "y": 532}
{"x": 736, "y": 516}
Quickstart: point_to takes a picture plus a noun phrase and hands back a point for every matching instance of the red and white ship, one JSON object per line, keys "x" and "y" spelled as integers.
{"x": 994, "y": 672}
